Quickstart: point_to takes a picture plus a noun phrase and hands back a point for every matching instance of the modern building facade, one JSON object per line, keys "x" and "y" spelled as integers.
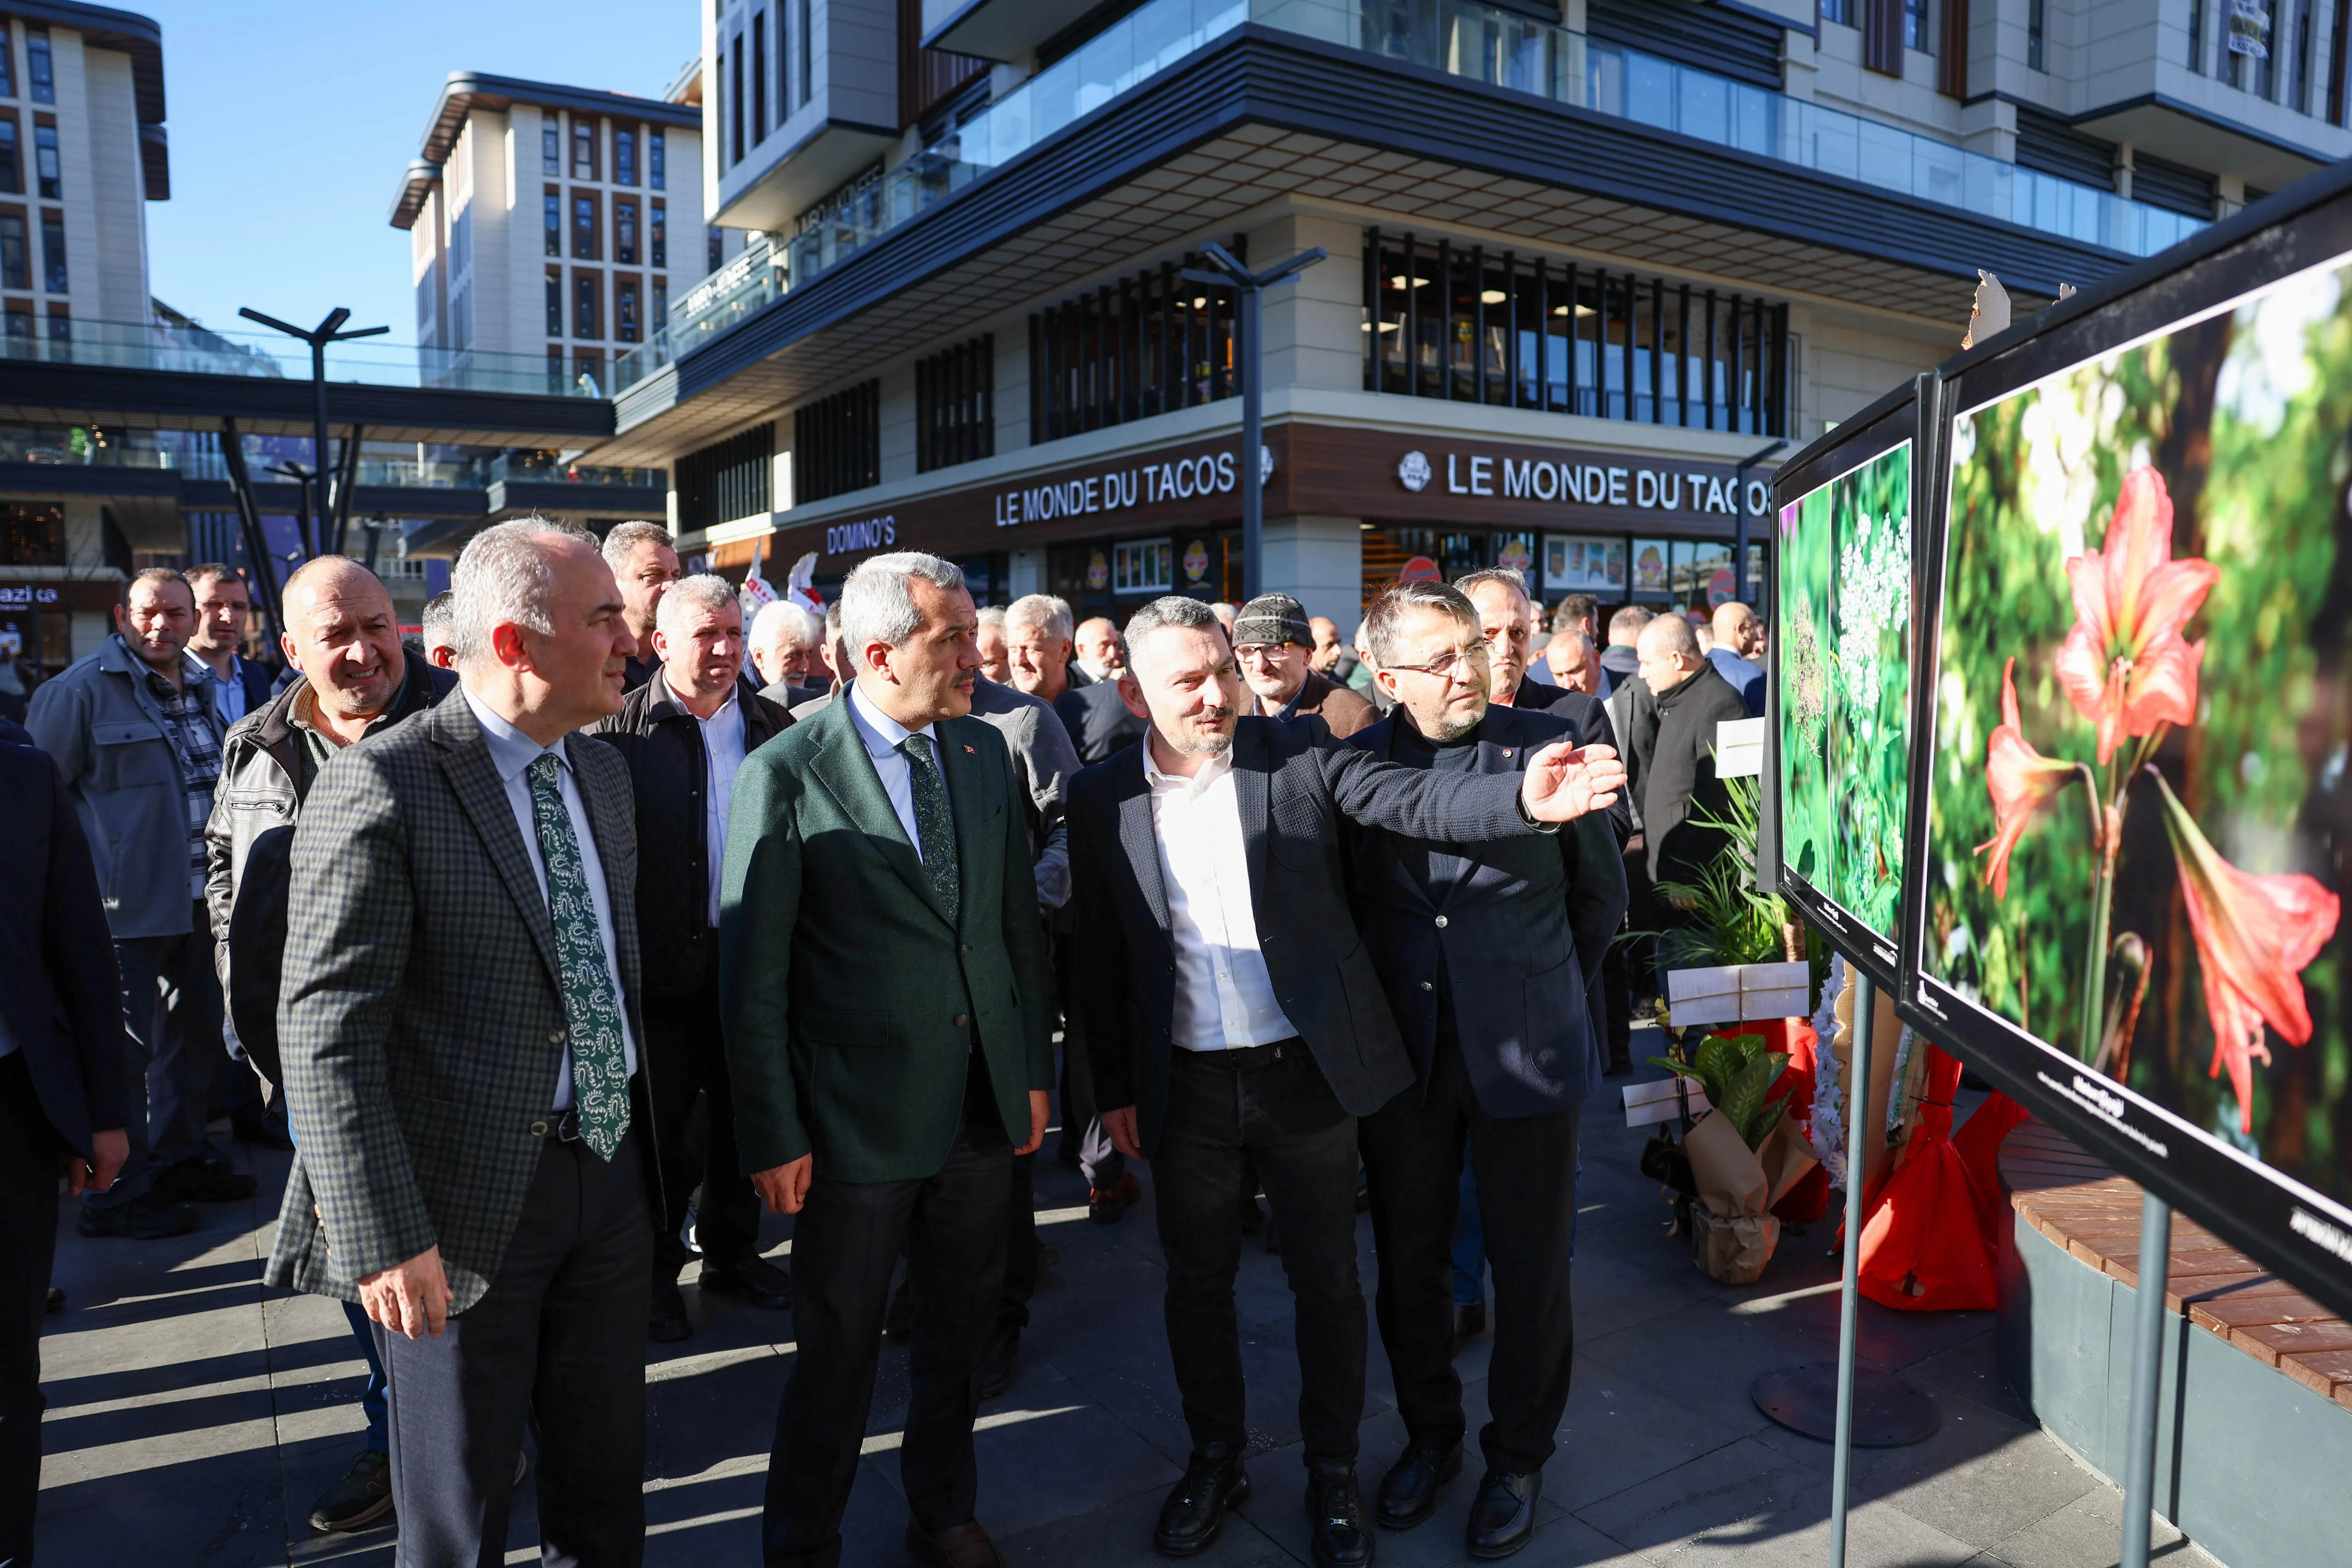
{"x": 552, "y": 221}
{"x": 1589, "y": 266}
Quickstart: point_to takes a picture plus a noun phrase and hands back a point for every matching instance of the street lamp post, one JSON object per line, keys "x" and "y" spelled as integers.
{"x": 325, "y": 332}
{"x": 1251, "y": 286}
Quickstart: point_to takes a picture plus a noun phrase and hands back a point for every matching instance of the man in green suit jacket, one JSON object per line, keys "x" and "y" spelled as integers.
{"x": 890, "y": 1054}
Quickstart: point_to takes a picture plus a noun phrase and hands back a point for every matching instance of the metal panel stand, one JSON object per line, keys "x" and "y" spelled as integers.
{"x": 2147, "y": 1374}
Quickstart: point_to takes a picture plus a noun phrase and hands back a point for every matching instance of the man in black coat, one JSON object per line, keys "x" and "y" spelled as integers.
{"x": 1491, "y": 958}
{"x": 65, "y": 1088}
{"x": 685, "y": 733}
{"x": 1678, "y": 777}
{"x": 1234, "y": 1016}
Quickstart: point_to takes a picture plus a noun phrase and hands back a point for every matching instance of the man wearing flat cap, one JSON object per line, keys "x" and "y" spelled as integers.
{"x": 1274, "y": 641}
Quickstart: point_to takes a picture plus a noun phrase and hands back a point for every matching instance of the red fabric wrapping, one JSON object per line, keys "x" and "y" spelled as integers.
{"x": 1794, "y": 1037}
{"x": 1923, "y": 1246}
{"x": 1979, "y": 1143}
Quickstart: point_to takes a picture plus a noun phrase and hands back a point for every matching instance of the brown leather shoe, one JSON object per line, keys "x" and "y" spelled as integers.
{"x": 964, "y": 1545}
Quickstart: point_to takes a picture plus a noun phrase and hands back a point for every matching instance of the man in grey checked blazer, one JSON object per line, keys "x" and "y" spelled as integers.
{"x": 458, "y": 1022}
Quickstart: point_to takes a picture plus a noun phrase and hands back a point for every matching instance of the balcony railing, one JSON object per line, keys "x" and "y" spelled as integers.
{"x": 153, "y": 346}
{"x": 1460, "y": 38}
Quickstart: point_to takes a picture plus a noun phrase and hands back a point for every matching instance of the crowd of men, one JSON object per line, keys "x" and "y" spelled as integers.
{"x": 601, "y": 919}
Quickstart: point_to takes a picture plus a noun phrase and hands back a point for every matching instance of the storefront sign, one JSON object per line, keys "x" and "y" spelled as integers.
{"x": 1117, "y": 490}
{"x": 1584, "y": 484}
{"x": 855, "y": 538}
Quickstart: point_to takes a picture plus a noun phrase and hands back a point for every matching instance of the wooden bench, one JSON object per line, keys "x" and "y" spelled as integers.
{"x": 2082, "y": 1206}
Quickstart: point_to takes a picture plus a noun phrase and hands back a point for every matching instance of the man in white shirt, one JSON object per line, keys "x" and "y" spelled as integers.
{"x": 685, "y": 734}
{"x": 1234, "y": 1017}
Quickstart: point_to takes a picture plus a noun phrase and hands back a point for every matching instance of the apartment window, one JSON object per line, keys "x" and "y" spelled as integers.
{"x": 584, "y": 150}
{"x": 808, "y": 48}
{"x": 461, "y": 242}
{"x": 783, "y": 64}
{"x": 587, "y": 294}
{"x": 584, "y": 228}
{"x": 550, "y": 147}
{"x": 555, "y": 222}
{"x": 625, "y": 157}
{"x": 15, "y": 259}
{"x": 2037, "y": 18}
{"x": 656, "y": 176}
{"x": 1914, "y": 23}
{"x": 2303, "y": 48}
{"x": 1472, "y": 326}
{"x": 31, "y": 535}
{"x": 556, "y": 383}
{"x": 7, "y": 63}
{"x": 714, "y": 246}
{"x": 1838, "y": 11}
{"x": 38, "y": 68}
{"x": 554, "y": 302}
{"x": 759, "y": 76}
{"x": 625, "y": 233}
{"x": 12, "y": 172}
{"x": 955, "y": 405}
{"x": 661, "y": 303}
{"x": 837, "y": 444}
{"x": 658, "y": 235}
{"x": 735, "y": 102}
{"x": 20, "y": 330}
{"x": 44, "y": 163}
{"x": 624, "y": 309}
{"x": 2195, "y": 34}
{"x": 53, "y": 250}
{"x": 1149, "y": 343}
{"x": 728, "y": 479}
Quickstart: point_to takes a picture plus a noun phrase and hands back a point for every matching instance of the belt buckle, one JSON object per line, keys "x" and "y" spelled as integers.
{"x": 567, "y": 1126}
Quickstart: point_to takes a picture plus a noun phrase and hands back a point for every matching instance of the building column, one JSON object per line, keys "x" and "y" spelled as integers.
{"x": 1320, "y": 560}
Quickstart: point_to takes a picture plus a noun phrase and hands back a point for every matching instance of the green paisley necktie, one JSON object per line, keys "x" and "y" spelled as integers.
{"x": 600, "y": 1066}
{"x": 934, "y": 825}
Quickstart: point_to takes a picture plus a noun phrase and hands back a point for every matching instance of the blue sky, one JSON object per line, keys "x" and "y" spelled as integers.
{"x": 290, "y": 125}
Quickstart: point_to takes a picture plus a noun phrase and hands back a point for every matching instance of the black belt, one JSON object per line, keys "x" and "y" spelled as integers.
{"x": 1248, "y": 1058}
{"x": 564, "y": 1126}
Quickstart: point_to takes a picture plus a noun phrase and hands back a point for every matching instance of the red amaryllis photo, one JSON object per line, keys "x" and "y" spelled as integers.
{"x": 2125, "y": 664}
{"x": 2255, "y": 936}
{"x": 2021, "y": 780}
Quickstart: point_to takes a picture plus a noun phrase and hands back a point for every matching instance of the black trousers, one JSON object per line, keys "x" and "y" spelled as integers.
{"x": 1525, "y": 1171}
{"x": 689, "y": 1062}
{"x": 1269, "y": 1106}
{"x": 172, "y": 1009}
{"x": 558, "y": 1338}
{"x": 845, "y": 1247}
{"x": 29, "y": 1153}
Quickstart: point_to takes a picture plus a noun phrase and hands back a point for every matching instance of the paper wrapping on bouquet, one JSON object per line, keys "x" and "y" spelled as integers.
{"x": 1923, "y": 1246}
{"x": 1805, "y": 1196}
{"x": 1732, "y": 1236}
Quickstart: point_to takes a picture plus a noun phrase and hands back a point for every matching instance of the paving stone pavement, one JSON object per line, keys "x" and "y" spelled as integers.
{"x": 194, "y": 1416}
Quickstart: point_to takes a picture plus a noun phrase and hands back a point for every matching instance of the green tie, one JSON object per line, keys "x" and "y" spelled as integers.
{"x": 933, "y": 824}
{"x": 600, "y": 1066}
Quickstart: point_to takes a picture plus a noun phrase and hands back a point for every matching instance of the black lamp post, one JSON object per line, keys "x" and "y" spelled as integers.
{"x": 325, "y": 332}
{"x": 1252, "y": 286}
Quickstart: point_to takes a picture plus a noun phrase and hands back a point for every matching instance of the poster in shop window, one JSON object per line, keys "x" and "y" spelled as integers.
{"x": 1649, "y": 566}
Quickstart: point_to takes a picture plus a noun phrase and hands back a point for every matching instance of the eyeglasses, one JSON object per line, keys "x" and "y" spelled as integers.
{"x": 1261, "y": 652}
{"x": 1474, "y": 654}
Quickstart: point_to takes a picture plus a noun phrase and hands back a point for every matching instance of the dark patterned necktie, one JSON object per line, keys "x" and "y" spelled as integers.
{"x": 934, "y": 825}
{"x": 600, "y": 1064}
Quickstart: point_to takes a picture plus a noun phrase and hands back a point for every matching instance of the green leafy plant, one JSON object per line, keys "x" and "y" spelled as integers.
{"x": 1736, "y": 1071}
{"x": 1730, "y": 922}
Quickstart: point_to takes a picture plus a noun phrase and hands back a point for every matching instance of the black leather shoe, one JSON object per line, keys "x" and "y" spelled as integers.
{"x": 148, "y": 1218}
{"x": 1503, "y": 1520}
{"x": 996, "y": 1366}
{"x": 202, "y": 1180}
{"x": 1409, "y": 1491}
{"x": 753, "y": 1280}
{"x": 259, "y": 1127}
{"x": 1189, "y": 1520}
{"x": 665, "y": 1320}
{"x": 1335, "y": 1514}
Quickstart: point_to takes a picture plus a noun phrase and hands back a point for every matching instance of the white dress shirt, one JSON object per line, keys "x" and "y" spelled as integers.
{"x": 882, "y": 734}
{"x": 511, "y": 753}
{"x": 1225, "y": 996}
{"x": 229, "y": 696}
{"x": 722, "y": 751}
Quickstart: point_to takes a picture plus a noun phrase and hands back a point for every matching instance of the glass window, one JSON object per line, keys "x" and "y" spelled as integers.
{"x": 584, "y": 150}
{"x": 39, "y": 69}
{"x": 45, "y": 161}
{"x": 1914, "y": 23}
{"x": 12, "y": 172}
{"x": 625, "y": 233}
{"x": 53, "y": 250}
{"x": 1839, "y": 11}
{"x": 624, "y": 309}
{"x": 584, "y": 228}
{"x": 20, "y": 334}
{"x": 555, "y": 304}
{"x": 654, "y": 147}
{"x": 60, "y": 334}
{"x": 550, "y": 147}
{"x": 657, "y": 238}
{"x": 15, "y": 262}
{"x": 759, "y": 76}
{"x": 2035, "y": 18}
{"x": 7, "y": 63}
{"x": 661, "y": 303}
{"x": 586, "y": 290}
{"x": 1144, "y": 566}
{"x": 806, "y": 50}
{"x": 715, "y": 247}
{"x": 556, "y": 381}
{"x": 625, "y": 157}
{"x": 554, "y": 220}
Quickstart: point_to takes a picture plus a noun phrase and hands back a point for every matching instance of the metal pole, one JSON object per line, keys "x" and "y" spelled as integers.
{"x": 1252, "y": 475}
{"x": 248, "y": 517}
{"x": 2148, "y": 1377}
{"x": 319, "y": 439}
{"x": 1857, "y": 1127}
